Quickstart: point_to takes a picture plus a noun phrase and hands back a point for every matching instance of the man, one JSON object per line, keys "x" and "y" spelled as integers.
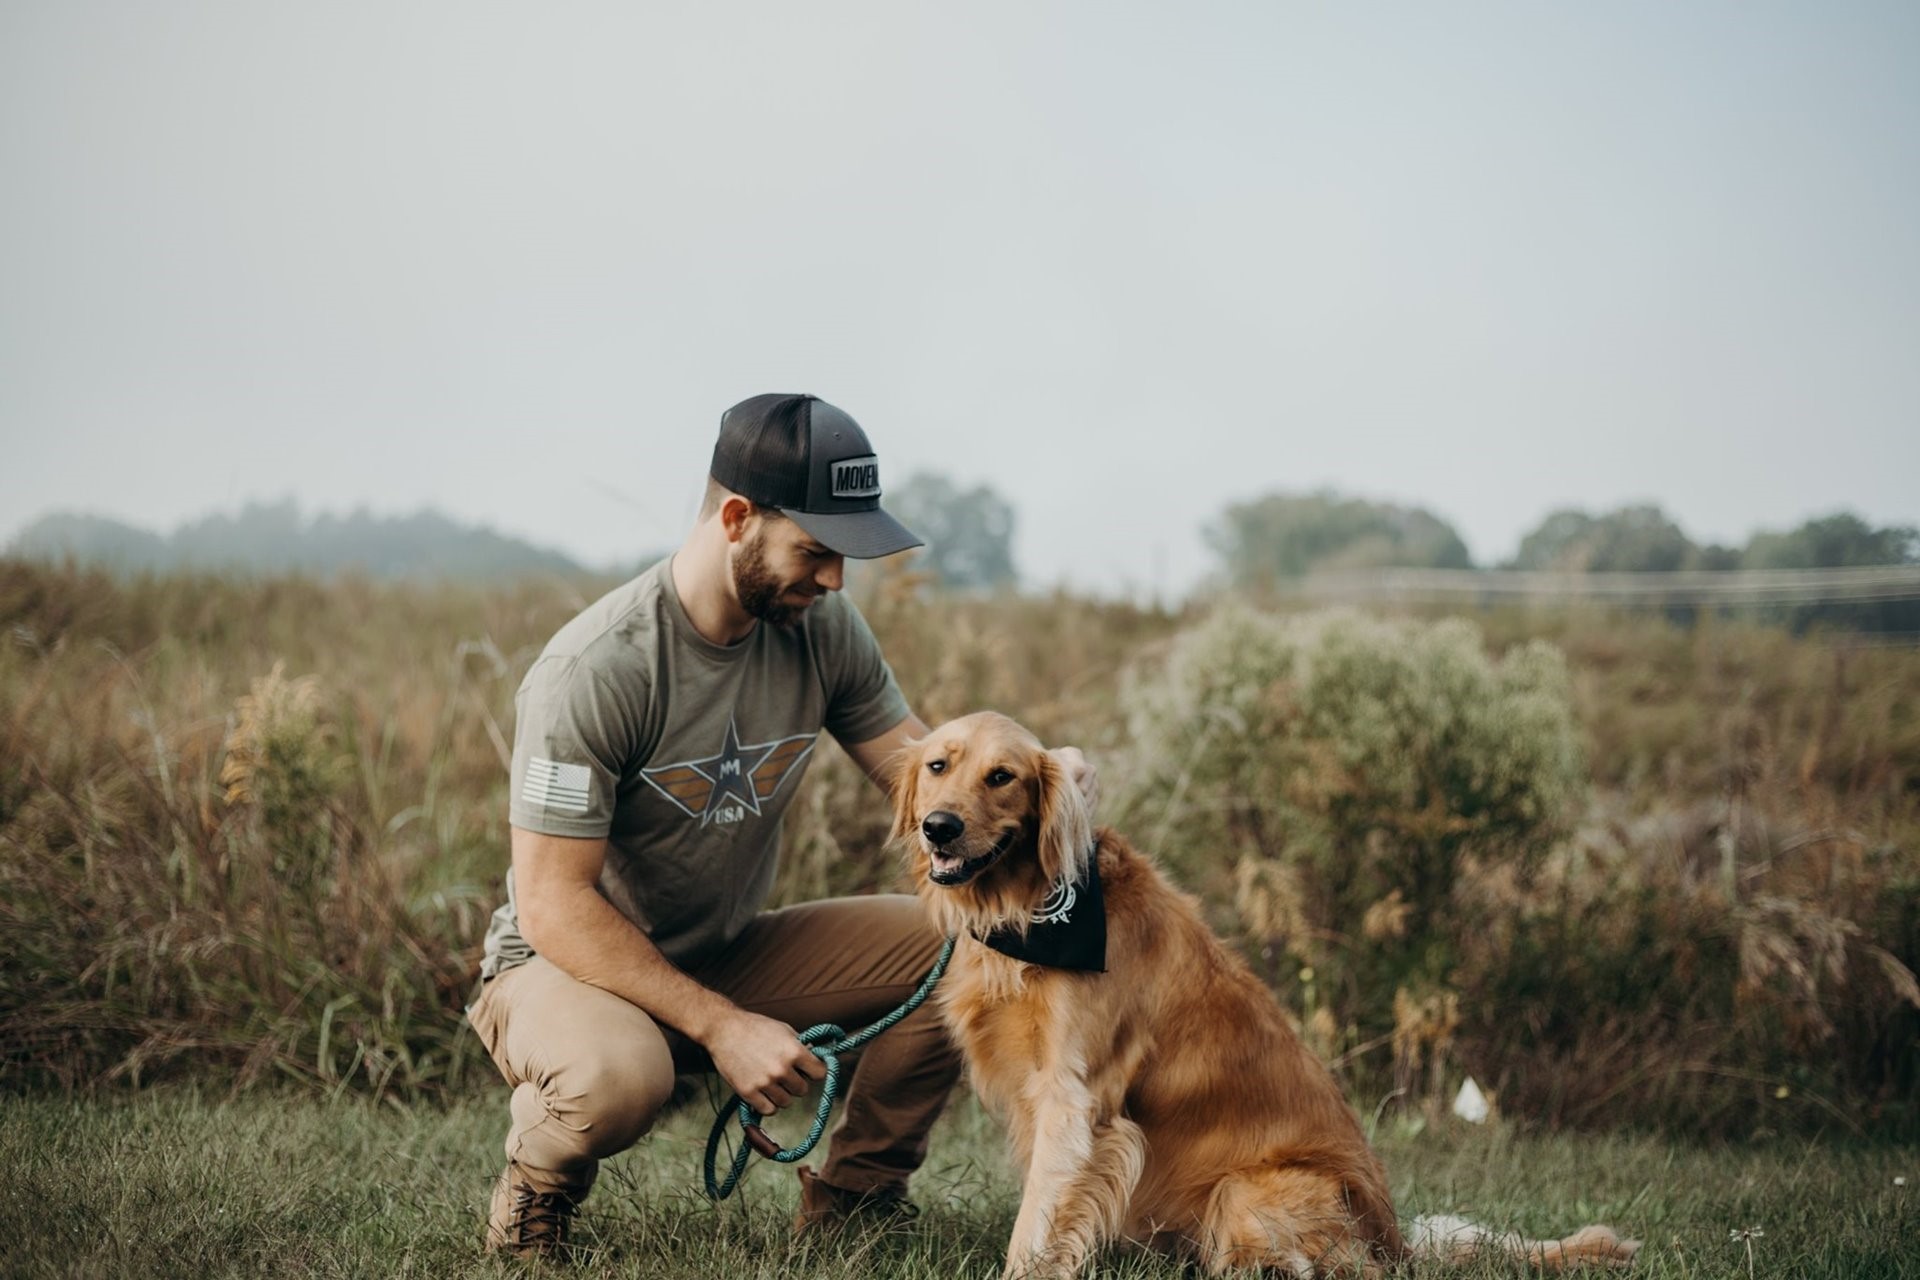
{"x": 659, "y": 738}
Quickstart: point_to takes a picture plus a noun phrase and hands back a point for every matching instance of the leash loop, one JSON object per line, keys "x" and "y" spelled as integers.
{"x": 828, "y": 1042}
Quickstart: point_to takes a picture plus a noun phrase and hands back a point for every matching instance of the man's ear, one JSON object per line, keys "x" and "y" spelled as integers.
{"x": 1066, "y": 828}
{"x": 903, "y": 783}
{"x": 736, "y": 515}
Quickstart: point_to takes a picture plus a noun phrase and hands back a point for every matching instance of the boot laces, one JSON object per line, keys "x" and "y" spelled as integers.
{"x": 541, "y": 1217}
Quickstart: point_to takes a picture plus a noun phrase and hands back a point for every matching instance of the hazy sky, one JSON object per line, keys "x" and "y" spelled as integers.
{"x": 1125, "y": 262}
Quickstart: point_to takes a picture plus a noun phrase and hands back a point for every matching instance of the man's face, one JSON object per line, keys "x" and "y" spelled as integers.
{"x": 779, "y": 570}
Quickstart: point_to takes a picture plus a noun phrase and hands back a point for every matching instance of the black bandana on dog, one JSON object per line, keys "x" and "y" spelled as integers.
{"x": 1069, "y": 931}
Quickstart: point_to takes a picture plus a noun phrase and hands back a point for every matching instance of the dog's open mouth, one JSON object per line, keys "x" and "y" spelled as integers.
{"x": 952, "y": 869}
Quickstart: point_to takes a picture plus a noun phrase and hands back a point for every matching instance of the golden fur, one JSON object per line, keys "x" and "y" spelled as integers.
{"x": 1167, "y": 1102}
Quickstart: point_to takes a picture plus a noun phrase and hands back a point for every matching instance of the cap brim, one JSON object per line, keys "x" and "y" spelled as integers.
{"x": 860, "y": 535}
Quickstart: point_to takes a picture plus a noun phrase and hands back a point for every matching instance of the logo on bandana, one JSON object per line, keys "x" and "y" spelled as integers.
{"x": 1058, "y": 935}
{"x": 1058, "y": 908}
{"x": 726, "y": 787}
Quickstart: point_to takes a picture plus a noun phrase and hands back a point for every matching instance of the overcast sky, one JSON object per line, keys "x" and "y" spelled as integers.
{"x": 1126, "y": 262}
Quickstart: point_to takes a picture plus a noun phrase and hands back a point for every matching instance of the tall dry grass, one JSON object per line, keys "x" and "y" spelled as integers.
{"x": 252, "y": 831}
{"x": 208, "y": 863}
{"x": 257, "y": 827}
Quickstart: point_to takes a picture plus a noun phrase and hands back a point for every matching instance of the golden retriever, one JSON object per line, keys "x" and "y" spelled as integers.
{"x": 1166, "y": 1101}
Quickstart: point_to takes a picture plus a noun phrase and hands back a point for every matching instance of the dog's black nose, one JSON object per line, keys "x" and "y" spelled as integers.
{"x": 941, "y": 826}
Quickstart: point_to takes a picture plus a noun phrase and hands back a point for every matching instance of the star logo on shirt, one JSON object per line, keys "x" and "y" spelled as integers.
{"x": 732, "y": 783}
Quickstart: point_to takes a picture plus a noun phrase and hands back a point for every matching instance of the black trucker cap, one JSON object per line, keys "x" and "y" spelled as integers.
{"x": 804, "y": 456}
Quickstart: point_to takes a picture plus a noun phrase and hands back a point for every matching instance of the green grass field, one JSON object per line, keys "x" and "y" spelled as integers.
{"x": 169, "y": 1184}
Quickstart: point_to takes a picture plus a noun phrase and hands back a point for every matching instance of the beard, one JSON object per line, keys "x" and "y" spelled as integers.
{"x": 762, "y": 593}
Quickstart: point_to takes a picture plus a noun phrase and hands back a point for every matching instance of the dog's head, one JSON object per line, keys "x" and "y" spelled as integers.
{"x": 990, "y": 821}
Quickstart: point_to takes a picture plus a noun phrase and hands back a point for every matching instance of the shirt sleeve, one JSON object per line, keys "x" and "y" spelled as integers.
{"x": 863, "y": 700}
{"x": 572, "y": 739}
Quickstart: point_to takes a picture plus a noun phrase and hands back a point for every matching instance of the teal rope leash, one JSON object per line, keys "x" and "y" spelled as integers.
{"x": 828, "y": 1042}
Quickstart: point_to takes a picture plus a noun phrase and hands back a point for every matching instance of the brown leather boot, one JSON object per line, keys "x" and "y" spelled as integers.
{"x": 827, "y": 1210}
{"x": 526, "y": 1221}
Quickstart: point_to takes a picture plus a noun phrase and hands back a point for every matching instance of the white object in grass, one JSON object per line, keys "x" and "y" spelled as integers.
{"x": 1470, "y": 1104}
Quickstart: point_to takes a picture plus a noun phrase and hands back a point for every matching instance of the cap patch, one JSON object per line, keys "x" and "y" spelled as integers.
{"x": 857, "y": 477}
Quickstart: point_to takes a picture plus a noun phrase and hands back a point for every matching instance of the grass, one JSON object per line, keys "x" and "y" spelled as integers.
{"x": 174, "y": 1183}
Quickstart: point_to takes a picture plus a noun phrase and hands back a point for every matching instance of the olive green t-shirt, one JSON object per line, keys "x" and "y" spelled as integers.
{"x": 683, "y": 753}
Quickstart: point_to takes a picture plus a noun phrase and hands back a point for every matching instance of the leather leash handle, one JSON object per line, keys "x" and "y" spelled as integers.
{"x": 761, "y": 1141}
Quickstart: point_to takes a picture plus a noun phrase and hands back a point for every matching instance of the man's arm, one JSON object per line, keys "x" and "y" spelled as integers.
{"x": 564, "y": 918}
{"x": 875, "y": 757}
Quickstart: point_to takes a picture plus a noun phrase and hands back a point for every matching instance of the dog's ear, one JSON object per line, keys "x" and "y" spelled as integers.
{"x": 1066, "y": 828}
{"x": 903, "y": 782}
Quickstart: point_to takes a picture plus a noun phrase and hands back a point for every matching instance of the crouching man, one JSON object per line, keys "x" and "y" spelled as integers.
{"x": 659, "y": 739}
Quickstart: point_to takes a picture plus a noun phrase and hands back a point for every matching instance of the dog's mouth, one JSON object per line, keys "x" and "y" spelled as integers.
{"x": 949, "y": 868}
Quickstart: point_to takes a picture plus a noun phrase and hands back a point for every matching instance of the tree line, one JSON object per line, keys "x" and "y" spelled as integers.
{"x": 1277, "y": 539}
{"x": 275, "y": 537}
{"x": 1281, "y": 536}
{"x": 1263, "y": 543}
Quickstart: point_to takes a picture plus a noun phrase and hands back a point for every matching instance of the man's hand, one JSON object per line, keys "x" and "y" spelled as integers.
{"x": 763, "y": 1060}
{"x": 566, "y": 920}
{"x": 1085, "y": 777}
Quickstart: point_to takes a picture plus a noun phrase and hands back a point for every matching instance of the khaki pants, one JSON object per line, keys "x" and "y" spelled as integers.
{"x": 590, "y": 1072}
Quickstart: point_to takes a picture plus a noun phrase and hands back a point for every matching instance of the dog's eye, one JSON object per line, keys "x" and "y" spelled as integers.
{"x": 999, "y": 777}
{"x": 936, "y": 766}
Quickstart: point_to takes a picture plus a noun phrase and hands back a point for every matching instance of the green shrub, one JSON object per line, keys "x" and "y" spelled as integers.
{"x": 1334, "y": 776}
{"x": 1385, "y": 816}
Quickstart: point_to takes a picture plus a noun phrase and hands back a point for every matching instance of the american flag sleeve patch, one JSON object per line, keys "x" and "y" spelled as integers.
{"x": 552, "y": 785}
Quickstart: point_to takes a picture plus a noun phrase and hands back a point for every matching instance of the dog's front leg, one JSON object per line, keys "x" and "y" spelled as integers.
{"x": 1079, "y": 1179}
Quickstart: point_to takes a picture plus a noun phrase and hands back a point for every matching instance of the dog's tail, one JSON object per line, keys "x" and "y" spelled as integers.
{"x": 1445, "y": 1238}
